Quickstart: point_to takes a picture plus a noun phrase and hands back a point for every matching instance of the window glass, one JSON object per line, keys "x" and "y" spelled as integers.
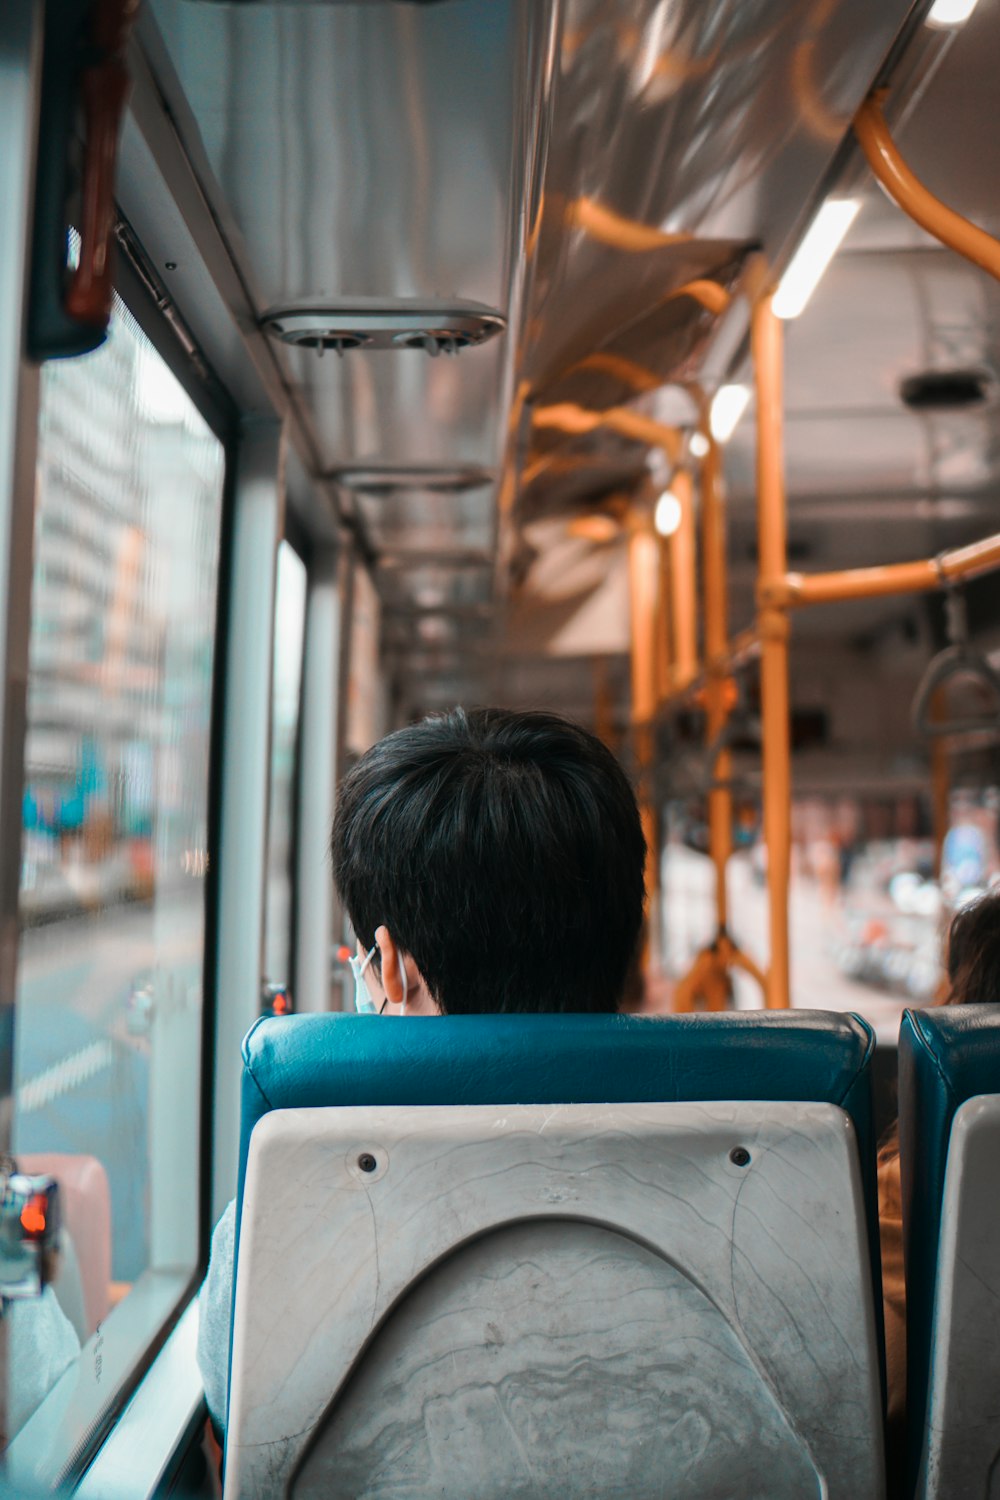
{"x": 289, "y": 633}
{"x": 112, "y": 906}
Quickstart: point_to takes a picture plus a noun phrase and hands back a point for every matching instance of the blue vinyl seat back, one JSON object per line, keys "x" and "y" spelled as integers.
{"x": 946, "y": 1056}
{"x": 321, "y": 1060}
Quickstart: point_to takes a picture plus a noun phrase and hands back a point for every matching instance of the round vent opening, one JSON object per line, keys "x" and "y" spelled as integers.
{"x": 435, "y": 341}
{"x": 944, "y": 390}
{"x": 339, "y": 343}
{"x": 306, "y": 336}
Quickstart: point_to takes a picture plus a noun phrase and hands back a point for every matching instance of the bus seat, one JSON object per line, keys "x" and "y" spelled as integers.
{"x": 556, "y": 1255}
{"x": 949, "y": 1128}
{"x": 85, "y": 1199}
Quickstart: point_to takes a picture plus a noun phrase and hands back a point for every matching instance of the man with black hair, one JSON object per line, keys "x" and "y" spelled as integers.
{"x": 489, "y": 861}
{"x": 494, "y": 862}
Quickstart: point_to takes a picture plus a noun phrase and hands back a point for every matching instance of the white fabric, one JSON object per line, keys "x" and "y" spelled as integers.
{"x": 42, "y": 1345}
{"x": 215, "y": 1305}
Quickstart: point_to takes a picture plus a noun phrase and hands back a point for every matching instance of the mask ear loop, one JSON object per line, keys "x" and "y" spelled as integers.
{"x": 406, "y": 983}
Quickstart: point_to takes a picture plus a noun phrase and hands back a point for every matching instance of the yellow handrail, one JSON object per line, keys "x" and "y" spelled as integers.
{"x": 766, "y": 340}
{"x": 796, "y": 590}
{"x": 707, "y": 978}
{"x": 906, "y": 190}
{"x": 567, "y": 416}
{"x": 644, "y": 568}
{"x": 778, "y": 591}
{"x": 718, "y": 684}
{"x": 683, "y": 583}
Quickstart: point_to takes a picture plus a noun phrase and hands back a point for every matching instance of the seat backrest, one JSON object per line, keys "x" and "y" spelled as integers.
{"x": 555, "y": 1301}
{"x": 300, "y": 1062}
{"x": 315, "y": 1062}
{"x": 948, "y": 1056}
{"x": 961, "y": 1442}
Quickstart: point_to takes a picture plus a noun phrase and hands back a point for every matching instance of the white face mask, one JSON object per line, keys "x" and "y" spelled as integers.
{"x": 363, "y": 1002}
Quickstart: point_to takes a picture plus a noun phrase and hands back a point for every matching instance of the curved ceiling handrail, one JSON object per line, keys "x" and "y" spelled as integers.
{"x": 906, "y": 190}
{"x": 953, "y": 662}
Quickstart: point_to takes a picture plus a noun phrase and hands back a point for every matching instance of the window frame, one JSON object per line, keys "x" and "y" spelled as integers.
{"x": 292, "y": 535}
{"x": 62, "y": 1437}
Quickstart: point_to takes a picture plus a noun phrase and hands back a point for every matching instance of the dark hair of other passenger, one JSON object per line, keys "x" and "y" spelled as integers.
{"x": 974, "y": 952}
{"x": 504, "y": 853}
{"x": 973, "y": 967}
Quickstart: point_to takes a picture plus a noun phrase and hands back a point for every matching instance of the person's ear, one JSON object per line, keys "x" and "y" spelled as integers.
{"x": 419, "y": 1001}
{"x": 391, "y": 965}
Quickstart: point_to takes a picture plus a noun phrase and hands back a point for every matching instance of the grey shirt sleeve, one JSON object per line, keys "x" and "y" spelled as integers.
{"x": 215, "y": 1305}
{"x": 42, "y": 1344}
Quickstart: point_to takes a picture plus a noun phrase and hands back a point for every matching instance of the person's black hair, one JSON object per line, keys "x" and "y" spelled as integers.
{"x": 504, "y": 853}
{"x": 974, "y": 952}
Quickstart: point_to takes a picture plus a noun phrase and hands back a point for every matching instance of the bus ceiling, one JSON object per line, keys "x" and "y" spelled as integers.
{"x": 562, "y": 197}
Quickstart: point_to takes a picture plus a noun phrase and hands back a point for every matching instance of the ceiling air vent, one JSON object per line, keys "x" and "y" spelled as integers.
{"x": 944, "y": 390}
{"x": 435, "y": 328}
{"x": 376, "y": 479}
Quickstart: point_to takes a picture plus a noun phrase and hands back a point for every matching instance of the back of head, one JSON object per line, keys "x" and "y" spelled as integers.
{"x": 504, "y": 853}
{"x": 974, "y": 952}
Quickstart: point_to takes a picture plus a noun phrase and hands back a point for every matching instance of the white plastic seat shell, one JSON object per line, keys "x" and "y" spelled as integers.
{"x": 961, "y": 1436}
{"x": 747, "y": 1285}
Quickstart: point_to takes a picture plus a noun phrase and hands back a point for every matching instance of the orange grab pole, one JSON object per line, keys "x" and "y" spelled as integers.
{"x": 643, "y": 562}
{"x": 913, "y": 198}
{"x": 713, "y": 547}
{"x": 971, "y": 561}
{"x": 683, "y": 595}
{"x": 664, "y": 624}
{"x": 603, "y": 223}
{"x": 797, "y": 590}
{"x": 566, "y": 416}
{"x": 708, "y": 977}
{"x": 766, "y": 342}
{"x": 743, "y": 648}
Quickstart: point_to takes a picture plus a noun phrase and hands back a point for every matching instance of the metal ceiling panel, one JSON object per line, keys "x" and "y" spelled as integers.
{"x": 371, "y": 152}
{"x": 362, "y": 151}
{"x": 682, "y": 132}
{"x": 878, "y": 318}
{"x": 434, "y": 586}
{"x": 403, "y": 407}
{"x": 883, "y": 453}
{"x": 429, "y": 521}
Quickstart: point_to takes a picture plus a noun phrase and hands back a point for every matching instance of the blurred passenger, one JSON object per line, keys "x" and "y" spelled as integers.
{"x": 489, "y": 861}
{"x": 973, "y": 966}
{"x": 824, "y": 856}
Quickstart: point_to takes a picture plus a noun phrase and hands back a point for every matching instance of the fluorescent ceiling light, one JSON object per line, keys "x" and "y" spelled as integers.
{"x": 668, "y": 513}
{"x": 728, "y": 405}
{"x": 950, "y": 12}
{"x": 698, "y": 445}
{"x": 819, "y": 246}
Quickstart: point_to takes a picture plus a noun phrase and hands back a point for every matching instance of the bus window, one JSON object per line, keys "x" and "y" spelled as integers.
{"x": 289, "y": 633}
{"x": 112, "y": 904}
